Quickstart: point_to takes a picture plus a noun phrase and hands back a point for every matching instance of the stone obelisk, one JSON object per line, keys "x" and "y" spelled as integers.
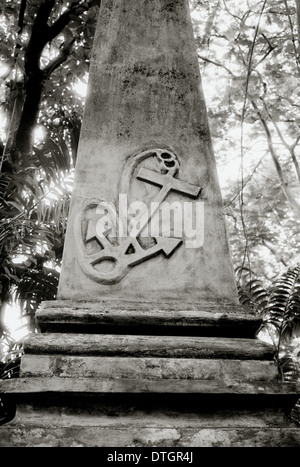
{"x": 145, "y": 141}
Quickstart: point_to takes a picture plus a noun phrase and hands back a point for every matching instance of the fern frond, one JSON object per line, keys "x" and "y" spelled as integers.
{"x": 283, "y": 310}
{"x": 251, "y": 290}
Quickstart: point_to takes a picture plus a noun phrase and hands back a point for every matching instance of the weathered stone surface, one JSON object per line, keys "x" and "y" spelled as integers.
{"x": 148, "y": 420}
{"x": 145, "y": 110}
{"x": 145, "y": 100}
{"x": 62, "y": 373}
{"x": 132, "y": 436}
{"x": 115, "y": 368}
{"x": 210, "y": 317}
{"x": 148, "y": 346}
{"x": 62, "y": 385}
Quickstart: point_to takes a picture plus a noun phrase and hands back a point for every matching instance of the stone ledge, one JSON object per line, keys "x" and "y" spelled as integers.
{"x": 219, "y": 318}
{"x": 60, "y": 385}
{"x": 148, "y": 346}
{"x": 151, "y": 420}
{"x": 230, "y": 372}
{"x": 141, "y": 436}
{"x": 141, "y": 375}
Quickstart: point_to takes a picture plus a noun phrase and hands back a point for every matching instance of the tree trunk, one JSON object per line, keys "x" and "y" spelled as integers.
{"x": 14, "y": 111}
{"x": 298, "y": 26}
{"x": 33, "y": 93}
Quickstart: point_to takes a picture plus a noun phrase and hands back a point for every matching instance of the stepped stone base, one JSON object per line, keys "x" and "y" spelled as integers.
{"x": 199, "y": 378}
{"x": 147, "y": 420}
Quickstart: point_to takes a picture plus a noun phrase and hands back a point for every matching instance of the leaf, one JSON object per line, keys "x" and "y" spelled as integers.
{"x": 16, "y": 205}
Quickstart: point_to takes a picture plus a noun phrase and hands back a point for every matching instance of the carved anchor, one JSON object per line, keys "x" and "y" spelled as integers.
{"x": 118, "y": 253}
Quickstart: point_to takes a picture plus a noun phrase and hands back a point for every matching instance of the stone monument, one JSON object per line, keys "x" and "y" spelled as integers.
{"x": 147, "y": 344}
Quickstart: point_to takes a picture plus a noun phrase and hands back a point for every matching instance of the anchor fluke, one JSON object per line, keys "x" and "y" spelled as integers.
{"x": 163, "y": 244}
{"x": 168, "y": 245}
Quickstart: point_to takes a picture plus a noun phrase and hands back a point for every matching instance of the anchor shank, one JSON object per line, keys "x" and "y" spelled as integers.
{"x": 144, "y": 218}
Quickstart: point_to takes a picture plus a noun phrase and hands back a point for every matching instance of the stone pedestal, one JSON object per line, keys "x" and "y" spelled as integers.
{"x": 147, "y": 345}
{"x": 118, "y": 375}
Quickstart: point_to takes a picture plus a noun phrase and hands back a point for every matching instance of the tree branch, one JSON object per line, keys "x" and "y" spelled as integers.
{"x": 296, "y": 52}
{"x": 20, "y": 26}
{"x": 61, "y": 58}
{"x": 213, "y": 62}
{"x": 76, "y": 8}
{"x": 246, "y": 181}
{"x": 294, "y": 158}
{"x": 298, "y": 24}
{"x": 209, "y": 24}
{"x": 274, "y": 251}
{"x": 63, "y": 20}
{"x": 35, "y": 77}
{"x": 289, "y": 147}
{"x": 21, "y": 15}
{"x": 283, "y": 184}
{"x": 38, "y": 38}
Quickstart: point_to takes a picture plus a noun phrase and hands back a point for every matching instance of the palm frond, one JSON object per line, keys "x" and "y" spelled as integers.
{"x": 35, "y": 286}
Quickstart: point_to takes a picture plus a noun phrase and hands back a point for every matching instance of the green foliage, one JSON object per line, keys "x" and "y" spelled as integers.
{"x": 283, "y": 309}
{"x": 53, "y": 39}
{"x": 31, "y": 236}
{"x": 10, "y": 357}
{"x": 251, "y": 50}
{"x": 251, "y": 290}
{"x": 10, "y": 360}
{"x": 7, "y": 410}
{"x": 282, "y": 318}
{"x": 279, "y": 306}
